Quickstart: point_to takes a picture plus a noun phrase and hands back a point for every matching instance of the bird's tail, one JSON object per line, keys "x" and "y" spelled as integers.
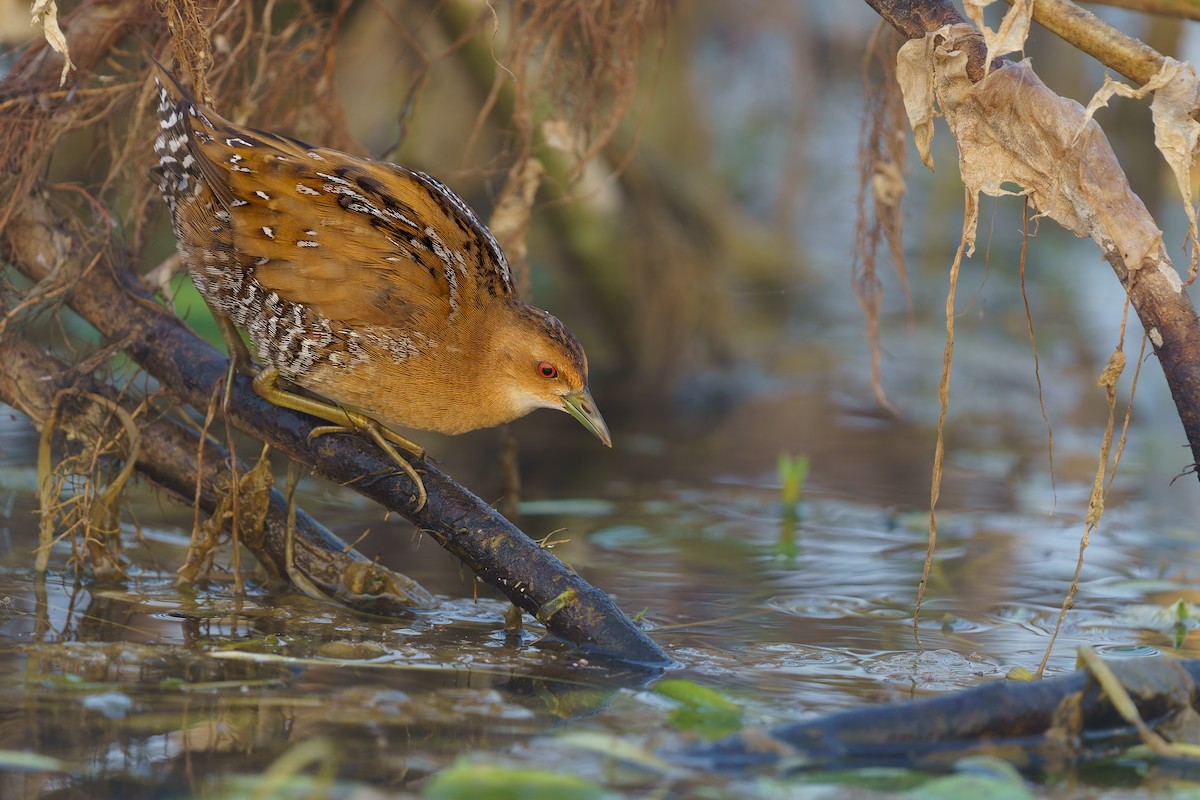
{"x": 175, "y": 174}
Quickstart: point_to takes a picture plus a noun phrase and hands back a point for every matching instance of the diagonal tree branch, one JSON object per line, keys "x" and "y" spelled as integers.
{"x": 117, "y": 305}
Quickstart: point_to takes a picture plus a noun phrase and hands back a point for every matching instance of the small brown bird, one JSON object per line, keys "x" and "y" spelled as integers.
{"x": 369, "y": 285}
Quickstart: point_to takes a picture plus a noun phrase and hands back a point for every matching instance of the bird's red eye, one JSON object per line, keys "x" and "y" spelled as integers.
{"x": 547, "y": 370}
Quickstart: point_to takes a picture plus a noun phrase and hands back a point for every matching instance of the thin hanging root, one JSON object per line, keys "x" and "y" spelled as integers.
{"x": 939, "y": 454}
{"x": 49, "y": 489}
{"x": 1037, "y": 369}
{"x": 1108, "y": 381}
{"x": 108, "y": 501}
{"x": 96, "y": 514}
{"x": 294, "y": 573}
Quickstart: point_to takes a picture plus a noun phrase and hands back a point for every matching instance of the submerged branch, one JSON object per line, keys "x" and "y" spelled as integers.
{"x": 33, "y": 381}
{"x": 1054, "y": 722}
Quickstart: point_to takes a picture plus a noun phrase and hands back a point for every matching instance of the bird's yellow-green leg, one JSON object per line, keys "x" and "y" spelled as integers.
{"x": 239, "y": 357}
{"x": 266, "y": 386}
{"x": 235, "y": 345}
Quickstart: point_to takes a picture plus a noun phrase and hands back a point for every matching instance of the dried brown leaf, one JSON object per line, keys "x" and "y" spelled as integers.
{"x": 45, "y": 14}
{"x": 1176, "y": 134}
{"x": 1014, "y": 28}
{"x": 1012, "y": 130}
{"x": 916, "y": 83}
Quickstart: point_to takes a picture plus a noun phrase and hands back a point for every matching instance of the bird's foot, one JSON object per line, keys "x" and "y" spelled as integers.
{"x": 266, "y": 385}
{"x": 383, "y": 438}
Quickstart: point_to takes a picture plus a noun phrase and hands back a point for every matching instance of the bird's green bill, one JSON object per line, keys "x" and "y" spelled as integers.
{"x": 581, "y": 406}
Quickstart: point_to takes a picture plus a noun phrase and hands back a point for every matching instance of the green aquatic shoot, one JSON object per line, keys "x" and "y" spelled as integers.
{"x": 793, "y": 472}
{"x": 476, "y": 780}
{"x": 1182, "y": 625}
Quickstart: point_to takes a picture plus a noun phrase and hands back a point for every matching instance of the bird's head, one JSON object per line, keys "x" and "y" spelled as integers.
{"x": 543, "y": 366}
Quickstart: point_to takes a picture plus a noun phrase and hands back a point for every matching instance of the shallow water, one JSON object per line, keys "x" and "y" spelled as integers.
{"x": 144, "y": 691}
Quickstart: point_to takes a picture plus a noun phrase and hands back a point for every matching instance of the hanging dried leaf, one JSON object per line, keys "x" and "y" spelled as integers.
{"x": 1010, "y": 36}
{"x": 916, "y": 84}
{"x": 1177, "y": 136}
{"x": 1012, "y": 130}
{"x": 1176, "y": 90}
{"x": 45, "y": 13}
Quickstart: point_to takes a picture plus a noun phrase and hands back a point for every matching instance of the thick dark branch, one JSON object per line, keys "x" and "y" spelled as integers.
{"x": 915, "y": 18}
{"x": 1061, "y": 720}
{"x": 112, "y": 300}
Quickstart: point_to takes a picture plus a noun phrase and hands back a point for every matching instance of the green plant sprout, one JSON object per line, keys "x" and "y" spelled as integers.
{"x": 793, "y": 472}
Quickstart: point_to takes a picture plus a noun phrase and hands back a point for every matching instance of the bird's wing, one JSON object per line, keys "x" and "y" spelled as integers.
{"x": 356, "y": 240}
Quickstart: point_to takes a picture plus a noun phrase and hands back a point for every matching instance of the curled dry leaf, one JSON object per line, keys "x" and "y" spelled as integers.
{"x": 45, "y": 13}
{"x": 887, "y": 182}
{"x": 1176, "y": 90}
{"x": 591, "y": 177}
{"x": 1012, "y": 130}
{"x": 1014, "y": 28}
{"x": 916, "y": 84}
{"x": 1112, "y": 370}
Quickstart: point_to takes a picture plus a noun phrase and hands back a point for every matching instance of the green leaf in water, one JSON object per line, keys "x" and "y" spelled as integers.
{"x": 466, "y": 780}
{"x": 284, "y": 778}
{"x": 979, "y": 778}
{"x": 793, "y": 471}
{"x": 1020, "y": 674}
{"x": 267, "y": 644}
{"x": 701, "y": 710}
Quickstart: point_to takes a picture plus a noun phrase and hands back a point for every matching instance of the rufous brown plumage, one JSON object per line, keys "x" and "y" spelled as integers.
{"x": 367, "y": 284}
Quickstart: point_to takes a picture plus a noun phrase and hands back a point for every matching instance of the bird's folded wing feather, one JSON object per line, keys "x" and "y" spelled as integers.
{"x": 358, "y": 241}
